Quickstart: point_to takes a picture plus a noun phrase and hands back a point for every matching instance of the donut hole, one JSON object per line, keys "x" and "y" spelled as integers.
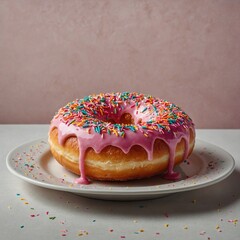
{"x": 126, "y": 118}
{"x": 111, "y": 121}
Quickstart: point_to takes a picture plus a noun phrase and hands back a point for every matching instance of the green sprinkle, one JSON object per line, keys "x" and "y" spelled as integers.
{"x": 150, "y": 121}
{"x": 171, "y": 121}
{"x": 122, "y": 134}
{"x": 86, "y": 99}
{"x": 84, "y": 112}
{"x": 97, "y": 129}
{"x": 155, "y": 109}
{"x": 132, "y": 128}
{"x": 72, "y": 122}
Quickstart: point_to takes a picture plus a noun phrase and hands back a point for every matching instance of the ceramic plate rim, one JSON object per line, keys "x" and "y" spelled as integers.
{"x": 120, "y": 192}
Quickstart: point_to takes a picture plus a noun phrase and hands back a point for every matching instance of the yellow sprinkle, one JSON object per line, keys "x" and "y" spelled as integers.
{"x": 82, "y": 232}
{"x": 166, "y": 225}
{"x": 146, "y": 135}
{"x": 115, "y": 132}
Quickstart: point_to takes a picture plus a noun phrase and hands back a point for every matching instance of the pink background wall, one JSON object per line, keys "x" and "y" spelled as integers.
{"x": 185, "y": 51}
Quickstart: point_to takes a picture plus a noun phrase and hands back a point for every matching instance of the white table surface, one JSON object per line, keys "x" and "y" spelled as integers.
{"x": 32, "y": 212}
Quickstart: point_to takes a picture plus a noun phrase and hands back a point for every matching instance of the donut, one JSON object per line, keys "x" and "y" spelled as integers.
{"x": 121, "y": 136}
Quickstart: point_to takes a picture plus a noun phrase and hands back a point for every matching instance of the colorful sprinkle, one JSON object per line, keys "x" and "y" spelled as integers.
{"x": 82, "y": 233}
{"x": 234, "y": 221}
{"x": 64, "y": 232}
{"x": 218, "y": 228}
{"x": 202, "y": 233}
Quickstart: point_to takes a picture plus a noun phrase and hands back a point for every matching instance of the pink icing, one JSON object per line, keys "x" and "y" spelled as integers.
{"x": 91, "y": 139}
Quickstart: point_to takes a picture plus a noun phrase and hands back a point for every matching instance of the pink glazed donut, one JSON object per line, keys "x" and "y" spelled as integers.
{"x": 121, "y": 136}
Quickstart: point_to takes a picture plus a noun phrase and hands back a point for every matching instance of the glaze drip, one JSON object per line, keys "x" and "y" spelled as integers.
{"x": 95, "y": 121}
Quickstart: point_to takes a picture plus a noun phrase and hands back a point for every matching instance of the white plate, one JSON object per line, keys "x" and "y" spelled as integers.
{"x": 34, "y": 163}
